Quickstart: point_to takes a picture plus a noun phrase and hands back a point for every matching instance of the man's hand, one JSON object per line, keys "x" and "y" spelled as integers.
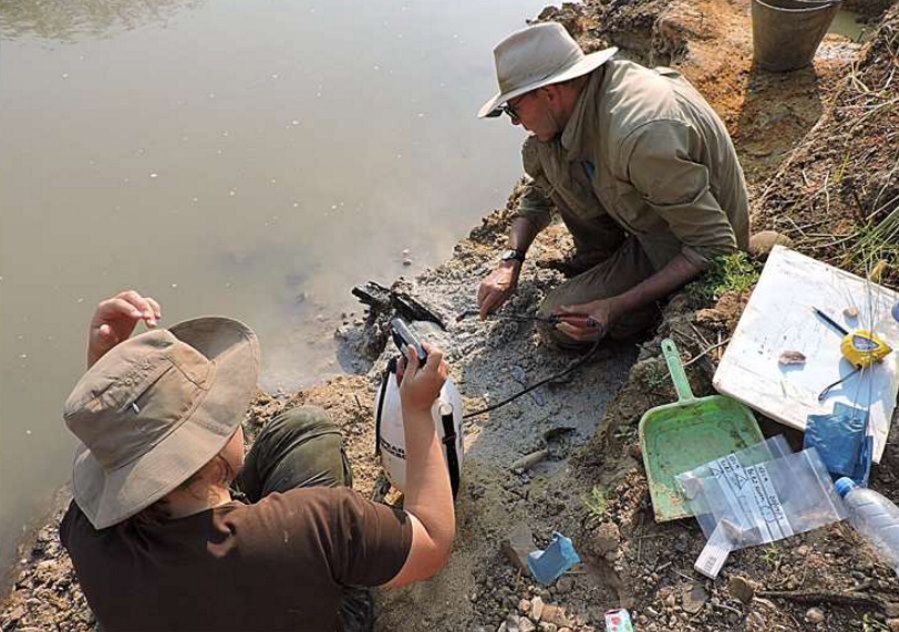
{"x": 420, "y": 385}
{"x": 601, "y": 315}
{"x": 115, "y": 319}
{"x": 498, "y": 286}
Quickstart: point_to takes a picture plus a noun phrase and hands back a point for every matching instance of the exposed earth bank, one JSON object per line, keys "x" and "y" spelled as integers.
{"x": 794, "y": 132}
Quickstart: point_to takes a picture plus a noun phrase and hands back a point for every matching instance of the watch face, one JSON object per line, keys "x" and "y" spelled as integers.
{"x": 515, "y": 255}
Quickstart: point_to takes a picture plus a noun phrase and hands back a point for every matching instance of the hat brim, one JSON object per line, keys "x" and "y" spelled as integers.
{"x": 588, "y": 64}
{"x": 108, "y": 497}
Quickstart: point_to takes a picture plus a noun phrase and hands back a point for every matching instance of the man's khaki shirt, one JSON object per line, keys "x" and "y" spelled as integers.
{"x": 643, "y": 148}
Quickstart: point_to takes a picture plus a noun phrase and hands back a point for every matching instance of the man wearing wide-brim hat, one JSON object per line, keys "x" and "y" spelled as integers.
{"x": 638, "y": 165}
{"x": 170, "y": 529}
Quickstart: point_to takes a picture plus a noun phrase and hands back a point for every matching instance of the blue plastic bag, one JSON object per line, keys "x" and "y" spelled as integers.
{"x": 842, "y": 441}
{"x": 547, "y": 566}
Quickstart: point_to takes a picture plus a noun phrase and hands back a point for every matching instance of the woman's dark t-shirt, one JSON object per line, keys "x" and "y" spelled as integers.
{"x": 279, "y": 564}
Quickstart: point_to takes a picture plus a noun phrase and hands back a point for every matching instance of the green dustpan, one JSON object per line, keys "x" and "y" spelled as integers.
{"x": 678, "y": 437}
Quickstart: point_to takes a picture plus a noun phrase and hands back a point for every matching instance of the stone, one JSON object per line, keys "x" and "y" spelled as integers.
{"x": 814, "y": 615}
{"x": 710, "y": 315}
{"x": 694, "y": 599}
{"x": 537, "y": 607}
{"x": 893, "y": 624}
{"x": 524, "y": 606}
{"x": 763, "y": 242}
{"x": 543, "y": 626}
{"x": 525, "y": 625}
{"x": 512, "y": 623}
{"x": 606, "y": 538}
{"x": 564, "y": 585}
{"x": 516, "y": 547}
{"x": 741, "y": 588}
{"x": 555, "y": 614}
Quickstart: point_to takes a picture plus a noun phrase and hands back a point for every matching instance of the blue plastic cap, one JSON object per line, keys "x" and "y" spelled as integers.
{"x": 844, "y": 485}
{"x": 896, "y": 311}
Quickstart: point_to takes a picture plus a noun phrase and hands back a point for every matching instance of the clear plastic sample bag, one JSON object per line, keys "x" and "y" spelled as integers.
{"x": 758, "y": 495}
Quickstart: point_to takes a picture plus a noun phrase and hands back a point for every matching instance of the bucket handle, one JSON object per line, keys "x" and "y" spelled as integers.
{"x": 678, "y": 375}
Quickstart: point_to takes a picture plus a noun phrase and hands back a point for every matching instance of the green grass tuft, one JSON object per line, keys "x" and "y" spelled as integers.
{"x": 728, "y": 273}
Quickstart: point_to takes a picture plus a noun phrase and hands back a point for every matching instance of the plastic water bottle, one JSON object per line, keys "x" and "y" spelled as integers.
{"x": 875, "y": 517}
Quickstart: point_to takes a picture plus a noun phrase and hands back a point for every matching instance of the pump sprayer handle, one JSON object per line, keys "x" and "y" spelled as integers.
{"x": 403, "y": 337}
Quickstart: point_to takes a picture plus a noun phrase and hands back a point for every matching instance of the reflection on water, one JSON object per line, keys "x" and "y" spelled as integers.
{"x": 249, "y": 158}
{"x": 64, "y": 20}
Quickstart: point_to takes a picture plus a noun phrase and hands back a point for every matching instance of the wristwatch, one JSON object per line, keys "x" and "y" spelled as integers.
{"x": 513, "y": 255}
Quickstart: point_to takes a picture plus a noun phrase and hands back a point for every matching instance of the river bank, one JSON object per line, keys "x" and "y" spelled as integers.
{"x": 792, "y": 132}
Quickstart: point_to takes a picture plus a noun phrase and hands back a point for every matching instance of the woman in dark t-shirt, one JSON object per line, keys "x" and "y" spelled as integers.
{"x": 170, "y": 529}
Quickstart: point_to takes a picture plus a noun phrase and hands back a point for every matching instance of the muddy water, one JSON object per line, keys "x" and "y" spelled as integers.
{"x": 254, "y": 159}
{"x": 850, "y": 25}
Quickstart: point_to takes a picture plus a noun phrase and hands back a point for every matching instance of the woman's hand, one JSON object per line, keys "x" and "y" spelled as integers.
{"x": 115, "y": 319}
{"x": 420, "y": 385}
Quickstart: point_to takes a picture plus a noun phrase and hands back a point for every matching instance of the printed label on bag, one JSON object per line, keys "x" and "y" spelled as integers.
{"x": 754, "y": 503}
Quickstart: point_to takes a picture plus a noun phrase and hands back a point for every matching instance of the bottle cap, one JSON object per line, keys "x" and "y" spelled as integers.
{"x": 844, "y": 485}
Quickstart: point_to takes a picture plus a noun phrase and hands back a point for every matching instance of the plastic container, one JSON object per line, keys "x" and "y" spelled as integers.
{"x": 875, "y": 517}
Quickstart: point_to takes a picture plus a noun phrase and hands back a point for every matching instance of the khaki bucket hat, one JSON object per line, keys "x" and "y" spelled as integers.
{"x": 154, "y": 410}
{"x": 538, "y": 56}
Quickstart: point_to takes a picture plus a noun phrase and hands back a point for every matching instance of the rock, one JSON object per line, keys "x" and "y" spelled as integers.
{"x": 525, "y": 625}
{"x": 543, "y": 626}
{"x": 710, "y": 315}
{"x": 524, "y": 606}
{"x": 761, "y": 243}
{"x": 814, "y": 615}
{"x": 512, "y": 623}
{"x": 516, "y": 547}
{"x": 555, "y": 614}
{"x": 536, "y": 608}
{"x": 741, "y": 588}
{"x": 694, "y": 599}
{"x": 564, "y": 585}
{"x": 791, "y": 357}
{"x": 893, "y": 624}
{"x": 606, "y": 538}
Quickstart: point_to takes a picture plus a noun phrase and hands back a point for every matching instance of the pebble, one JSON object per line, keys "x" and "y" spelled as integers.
{"x": 407, "y": 261}
{"x": 536, "y": 608}
{"x": 524, "y": 606}
{"x": 814, "y": 615}
{"x": 525, "y": 625}
{"x": 564, "y": 585}
{"x": 893, "y": 624}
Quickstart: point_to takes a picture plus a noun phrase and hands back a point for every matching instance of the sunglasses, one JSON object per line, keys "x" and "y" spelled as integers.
{"x": 506, "y": 108}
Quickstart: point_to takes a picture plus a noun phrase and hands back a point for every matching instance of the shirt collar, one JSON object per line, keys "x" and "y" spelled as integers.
{"x": 573, "y": 138}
